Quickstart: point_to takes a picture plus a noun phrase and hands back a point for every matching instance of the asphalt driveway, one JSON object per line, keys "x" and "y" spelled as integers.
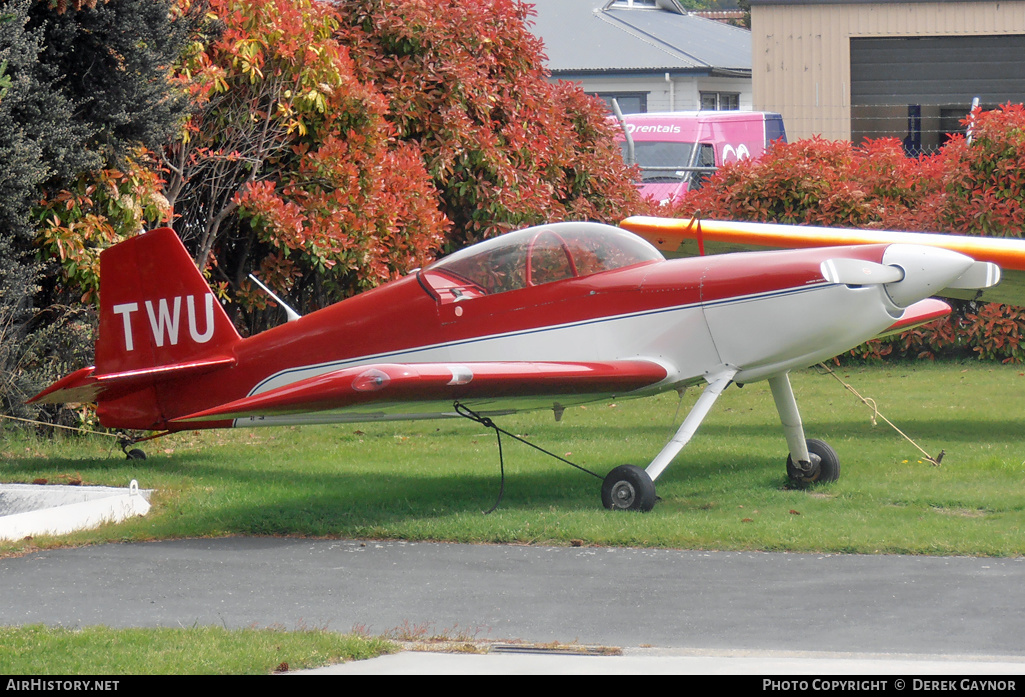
{"x": 661, "y": 599}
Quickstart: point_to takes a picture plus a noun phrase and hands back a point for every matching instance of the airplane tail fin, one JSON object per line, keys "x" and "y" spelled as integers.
{"x": 156, "y": 310}
{"x": 158, "y": 321}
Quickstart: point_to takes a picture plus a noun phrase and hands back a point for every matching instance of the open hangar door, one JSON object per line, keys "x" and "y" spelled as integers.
{"x": 918, "y": 89}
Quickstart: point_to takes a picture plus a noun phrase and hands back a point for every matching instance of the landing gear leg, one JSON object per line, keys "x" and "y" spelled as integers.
{"x": 135, "y": 453}
{"x": 809, "y": 460}
{"x": 126, "y": 442}
{"x": 689, "y": 427}
{"x": 631, "y": 488}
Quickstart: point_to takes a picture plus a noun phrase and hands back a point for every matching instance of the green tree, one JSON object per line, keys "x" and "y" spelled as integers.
{"x": 112, "y": 61}
{"x": 82, "y": 87}
{"x": 39, "y": 137}
{"x": 37, "y": 143}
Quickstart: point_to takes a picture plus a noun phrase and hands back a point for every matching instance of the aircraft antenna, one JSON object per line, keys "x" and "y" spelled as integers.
{"x": 289, "y": 312}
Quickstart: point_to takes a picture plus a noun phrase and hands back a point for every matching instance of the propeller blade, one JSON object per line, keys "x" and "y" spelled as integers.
{"x": 982, "y": 274}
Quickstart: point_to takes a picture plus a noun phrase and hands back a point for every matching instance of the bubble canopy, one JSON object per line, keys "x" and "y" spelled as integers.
{"x": 543, "y": 254}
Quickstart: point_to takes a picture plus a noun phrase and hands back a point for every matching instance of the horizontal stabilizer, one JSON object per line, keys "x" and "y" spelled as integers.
{"x": 80, "y": 386}
{"x": 390, "y": 383}
{"x": 86, "y": 386}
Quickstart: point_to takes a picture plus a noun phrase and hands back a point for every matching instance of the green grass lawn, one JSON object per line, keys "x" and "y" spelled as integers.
{"x": 431, "y": 480}
{"x": 37, "y": 650}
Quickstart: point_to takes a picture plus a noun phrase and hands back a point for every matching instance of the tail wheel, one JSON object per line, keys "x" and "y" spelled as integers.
{"x": 628, "y": 488}
{"x": 824, "y": 465}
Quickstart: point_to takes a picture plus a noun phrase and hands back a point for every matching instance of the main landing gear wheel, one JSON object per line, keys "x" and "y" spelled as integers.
{"x": 628, "y": 488}
{"x": 134, "y": 453}
{"x": 824, "y": 465}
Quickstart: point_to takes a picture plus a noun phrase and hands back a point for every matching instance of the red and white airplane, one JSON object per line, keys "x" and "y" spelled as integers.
{"x": 542, "y": 318}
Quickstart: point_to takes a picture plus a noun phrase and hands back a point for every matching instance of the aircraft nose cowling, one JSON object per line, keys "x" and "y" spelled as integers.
{"x": 927, "y": 271}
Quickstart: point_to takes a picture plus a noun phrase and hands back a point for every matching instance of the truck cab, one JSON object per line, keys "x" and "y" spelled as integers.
{"x": 678, "y": 151}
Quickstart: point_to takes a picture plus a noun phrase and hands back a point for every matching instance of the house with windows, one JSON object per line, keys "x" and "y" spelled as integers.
{"x": 857, "y": 69}
{"x": 650, "y": 55}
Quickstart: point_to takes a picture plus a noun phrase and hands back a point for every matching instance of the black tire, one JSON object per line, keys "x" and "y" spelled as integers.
{"x": 135, "y": 454}
{"x": 825, "y": 464}
{"x": 628, "y": 488}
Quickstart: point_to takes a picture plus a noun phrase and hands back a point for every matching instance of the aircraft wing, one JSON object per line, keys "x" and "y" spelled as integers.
{"x": 392, "y": 383}
{"x": 922, "y": 312}
{"x": 678, "y": 237}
